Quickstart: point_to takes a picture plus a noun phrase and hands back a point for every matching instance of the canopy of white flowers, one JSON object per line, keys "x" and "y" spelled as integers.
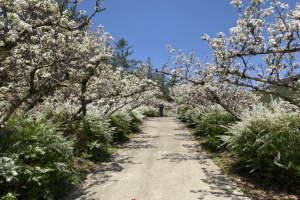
{"x": 47, "y": 55}
{"x": 260, "y": 54}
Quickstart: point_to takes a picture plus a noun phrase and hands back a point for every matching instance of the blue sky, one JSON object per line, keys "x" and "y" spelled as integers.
{"x": 150, "y": 25}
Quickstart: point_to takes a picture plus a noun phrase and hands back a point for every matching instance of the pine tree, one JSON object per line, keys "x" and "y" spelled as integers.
{"x": 149, "y": 68}
{"x": 122, "y": 51}
{"x": 121, "y": 54}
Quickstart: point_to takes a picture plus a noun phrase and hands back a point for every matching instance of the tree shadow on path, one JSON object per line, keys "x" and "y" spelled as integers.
{"x": 101, "y": 176}
{"x": 114, "y": 164}
{"x": 219, "y": 186}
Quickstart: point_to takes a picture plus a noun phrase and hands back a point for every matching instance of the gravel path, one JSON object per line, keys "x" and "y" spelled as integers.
{"x": 163, "y": 162}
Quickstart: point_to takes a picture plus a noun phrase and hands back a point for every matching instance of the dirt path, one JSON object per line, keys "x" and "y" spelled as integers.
{"x": 163, "y": 162}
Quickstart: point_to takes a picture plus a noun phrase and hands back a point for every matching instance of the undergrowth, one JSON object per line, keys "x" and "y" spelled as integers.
{"x": 261, "y": 150}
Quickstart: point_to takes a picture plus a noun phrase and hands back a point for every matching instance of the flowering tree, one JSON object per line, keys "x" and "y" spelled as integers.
{"x": 36, "y": 51}
{"x": 129, "y": 91}
{"x": 48, "y": 54}
{"x": 246, "y": 60}
{"x": 109, "y": 89}
{"x": 261, "y": 51}
{"x": 232, "y": 99}
{"x": 200, "y": 85}
{"x": 41, "y": 47}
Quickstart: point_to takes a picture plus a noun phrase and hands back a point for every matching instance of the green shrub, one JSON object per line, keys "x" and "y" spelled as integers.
{"x": 181, "y": 111}
{"x": 198, "y": 115}
{"x": 189, "y": 117}
{"x": 57, "y": 113}
{"x": 9, "y": 196}
{"x": 120, "y": 122}
{"x": 150, "y": 112}
{"x": 92, "y": 137}
{"x": 136, "y": 121}
{"x": 33, "y": 158}
{"x": 267, "y": 139}
{"x": 92, "y": 134}
{"x": 210, "y": 122}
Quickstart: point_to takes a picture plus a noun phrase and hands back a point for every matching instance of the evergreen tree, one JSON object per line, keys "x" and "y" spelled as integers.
{"x": 149, "y": 68}
{"x": 121, "y": 54}
{"x": 162, "y": 80}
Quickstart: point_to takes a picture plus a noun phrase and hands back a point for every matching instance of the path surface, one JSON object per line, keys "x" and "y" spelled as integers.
{"x": 163, "y": 162}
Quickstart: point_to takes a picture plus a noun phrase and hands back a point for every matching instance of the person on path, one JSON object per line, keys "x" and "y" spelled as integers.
{"x": 161, "y": 109}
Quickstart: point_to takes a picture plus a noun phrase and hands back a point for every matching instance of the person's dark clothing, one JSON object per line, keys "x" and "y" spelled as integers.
{"x": 161, "y": 109}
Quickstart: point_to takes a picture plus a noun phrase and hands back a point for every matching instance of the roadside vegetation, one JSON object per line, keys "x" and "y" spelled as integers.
{"x": 260, "y": 151}
{"x": 45, "y": 159}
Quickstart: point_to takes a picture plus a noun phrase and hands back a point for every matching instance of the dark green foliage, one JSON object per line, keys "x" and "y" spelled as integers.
{"x": 135, "y": 122}
{"x": 164, "y": 85}
{"x": 121, "y": 54}
{"x": 40, "y": 160}
{"x": 210, "y": 123}
{"x": 93, "y": 137}
{"x": 121, "y": 124}
{"x": 92, "y": 134}
{"x": 151, "y": 112}
{"x": 181, "y": 111}
{"x": 37, "y": 156}
{"x": 188, "y": 118}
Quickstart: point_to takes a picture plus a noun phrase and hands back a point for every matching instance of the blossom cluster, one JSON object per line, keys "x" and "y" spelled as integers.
{"x": 8, "y": 169}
